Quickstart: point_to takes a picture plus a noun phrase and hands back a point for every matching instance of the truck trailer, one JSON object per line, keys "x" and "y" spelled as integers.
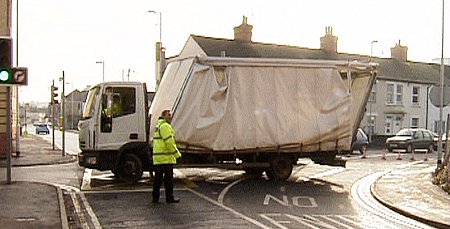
{"x": 258, "y": 115}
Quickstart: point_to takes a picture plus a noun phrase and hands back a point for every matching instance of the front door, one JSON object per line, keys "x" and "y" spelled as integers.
{"x": 119, "y": 120}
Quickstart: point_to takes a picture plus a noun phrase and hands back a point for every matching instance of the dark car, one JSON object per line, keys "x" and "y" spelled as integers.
{"x": 410, "y": 139}
{"x": 42, "y": 128}
{"x": 361, "y": 142}
{"x": 436, "y": 140}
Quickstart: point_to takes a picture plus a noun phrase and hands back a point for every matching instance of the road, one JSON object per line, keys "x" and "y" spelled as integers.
{"x": 315, "y": 196}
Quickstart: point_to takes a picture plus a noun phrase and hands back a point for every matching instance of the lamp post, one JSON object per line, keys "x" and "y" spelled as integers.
{"x": 441, "y": 99}
{"x": 160, "y": 23}
{"x": 369, "y": 119}
{"x": 103, "y": 64}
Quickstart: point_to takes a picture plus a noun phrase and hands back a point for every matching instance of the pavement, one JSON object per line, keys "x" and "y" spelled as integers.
{"x": 41, "y": 205}
{"x": 408, "y": 191}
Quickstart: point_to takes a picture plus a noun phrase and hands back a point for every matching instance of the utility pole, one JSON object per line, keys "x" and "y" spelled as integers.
{"x": 63, "y": 105}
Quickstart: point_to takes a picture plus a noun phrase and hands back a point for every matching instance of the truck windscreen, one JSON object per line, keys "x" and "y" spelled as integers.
{"x": 90, "y": 103}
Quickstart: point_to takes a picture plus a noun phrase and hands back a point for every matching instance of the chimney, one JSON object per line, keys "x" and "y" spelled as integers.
{"x": 243, "y": 32}
{"x": 399, "y": 52}
{"x": 328, "y": 43}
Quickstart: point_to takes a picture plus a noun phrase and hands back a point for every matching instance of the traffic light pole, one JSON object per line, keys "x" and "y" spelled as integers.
{"x": 8, "y": 134}
{"x": 53, "y": 116}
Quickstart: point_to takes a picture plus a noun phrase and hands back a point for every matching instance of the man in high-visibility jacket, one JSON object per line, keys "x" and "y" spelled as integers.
{"x": 165, "y": 154}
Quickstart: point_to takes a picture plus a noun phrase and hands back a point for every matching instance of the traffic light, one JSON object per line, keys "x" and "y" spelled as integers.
{"x": 54, "y": 95}
{"x": 6, "y": 76}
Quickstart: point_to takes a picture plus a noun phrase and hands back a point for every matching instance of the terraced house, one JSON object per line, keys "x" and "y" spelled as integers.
{"x": 399, "y": 98}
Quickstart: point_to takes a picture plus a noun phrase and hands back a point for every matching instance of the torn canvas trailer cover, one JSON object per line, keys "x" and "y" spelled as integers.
{"x": 254, "y": 111}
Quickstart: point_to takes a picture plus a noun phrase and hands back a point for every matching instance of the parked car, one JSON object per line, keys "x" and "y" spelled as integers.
{"x": 410, "y": 139}
{"x": 436, "y": 140}
{"x": 361, "y": 142}
{"x": 42, "y": 128}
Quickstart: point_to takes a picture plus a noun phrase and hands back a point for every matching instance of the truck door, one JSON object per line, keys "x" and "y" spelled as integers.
{"x": 119, "y": 122}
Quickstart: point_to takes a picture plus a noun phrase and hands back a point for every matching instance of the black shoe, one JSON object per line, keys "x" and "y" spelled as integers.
{"x": 155, "y": 201}
{"x": 174, "y": 200}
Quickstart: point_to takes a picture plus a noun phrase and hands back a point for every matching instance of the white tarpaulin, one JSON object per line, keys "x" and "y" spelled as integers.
{"x": 244, "y": 107}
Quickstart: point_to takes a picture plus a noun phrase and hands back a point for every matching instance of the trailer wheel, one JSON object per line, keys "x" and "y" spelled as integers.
{"x": 131, "y": 168}
{"x": 280, "y": 167}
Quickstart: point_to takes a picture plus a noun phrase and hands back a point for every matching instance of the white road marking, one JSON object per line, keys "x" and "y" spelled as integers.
{"x": 78, "y": 211}
{"x": 90, "y": 212}
{"x": 226, "y": 189}
{"x": 322, "y": 174}
{"x": 86, "y": 183}
{"x": 255, "y": 222}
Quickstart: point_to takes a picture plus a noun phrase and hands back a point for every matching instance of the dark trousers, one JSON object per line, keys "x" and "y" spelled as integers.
{"x": 163, "y": 173}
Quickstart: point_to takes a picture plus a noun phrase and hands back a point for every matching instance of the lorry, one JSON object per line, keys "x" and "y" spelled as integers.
{"x": 254, "y": 114}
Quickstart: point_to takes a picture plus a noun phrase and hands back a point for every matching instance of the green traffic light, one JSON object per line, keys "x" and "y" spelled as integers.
{"x": 5, "y": 76}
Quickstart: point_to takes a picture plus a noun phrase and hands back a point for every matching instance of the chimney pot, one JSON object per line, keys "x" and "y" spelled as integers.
{"x": 328, "y": 43}
{"x": 243, "y": 32}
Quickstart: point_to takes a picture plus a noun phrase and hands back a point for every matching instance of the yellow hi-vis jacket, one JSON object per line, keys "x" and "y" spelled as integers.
{"x": 165, "y": 149}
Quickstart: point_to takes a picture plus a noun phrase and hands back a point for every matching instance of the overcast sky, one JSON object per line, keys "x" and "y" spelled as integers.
{"x": 56, "y": 35}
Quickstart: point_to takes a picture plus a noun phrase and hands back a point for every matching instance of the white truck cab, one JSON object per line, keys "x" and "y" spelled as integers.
{"x": 111, "y": 132}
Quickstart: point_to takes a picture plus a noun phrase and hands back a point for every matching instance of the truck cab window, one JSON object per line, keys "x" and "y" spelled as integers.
{"x": 120, "y": 101}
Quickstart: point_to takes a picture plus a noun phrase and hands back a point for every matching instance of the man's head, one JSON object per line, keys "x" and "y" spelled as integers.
{"x": 167, "y": 115}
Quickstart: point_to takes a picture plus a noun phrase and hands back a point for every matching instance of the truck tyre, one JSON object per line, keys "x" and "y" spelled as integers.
{"x": 280, "y": 167}
{"x": 131, "y": 168}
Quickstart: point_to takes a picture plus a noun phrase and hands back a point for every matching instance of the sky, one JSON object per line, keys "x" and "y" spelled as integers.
{"x": 72, "y": 36}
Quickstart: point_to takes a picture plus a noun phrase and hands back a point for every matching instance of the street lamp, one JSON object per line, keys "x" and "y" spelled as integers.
{"x": 103, "y": 64}
{"x": 160, "y": 23}
{"x": 369, "y": 119}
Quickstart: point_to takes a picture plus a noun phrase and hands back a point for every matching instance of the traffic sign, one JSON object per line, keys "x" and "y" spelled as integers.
{"x": 20, "y": 75}
{"x": 435, "y": 96}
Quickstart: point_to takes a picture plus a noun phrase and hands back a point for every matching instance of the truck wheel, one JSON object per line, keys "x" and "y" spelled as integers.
{"x": 131, "y": 168}
{"x": 280, "y": 168}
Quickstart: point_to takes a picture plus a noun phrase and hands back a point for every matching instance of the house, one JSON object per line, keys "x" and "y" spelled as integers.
{"x": 399, "y": 98}
{"x": 74, "y": 103}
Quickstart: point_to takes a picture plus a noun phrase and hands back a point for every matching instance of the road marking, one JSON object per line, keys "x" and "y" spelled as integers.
{"x": 226, "y": 189}
{"x": 280, "y": 220}
{"x": 322, "y": 174}
{"x": 361, "y": 194}
{"x": 179, "y": 174}
{"x": 78, "y": 211}
{"x": 310, "y": 221}
{"x": 255, "y": 222}
{"x": 86, "y": 183}
{"x": 90, "y": 212}
{"x": 267, "y": 216}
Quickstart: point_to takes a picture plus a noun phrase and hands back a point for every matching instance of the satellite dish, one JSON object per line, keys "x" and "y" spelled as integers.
{"x": 435, "y": 96}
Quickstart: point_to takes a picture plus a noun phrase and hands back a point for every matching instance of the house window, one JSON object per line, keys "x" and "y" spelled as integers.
{"x": 371, "y": 124}
{"x": 390, "y": 94}
{"x": 415, "y": 95}
{"x": 394, "y": 94}
{"x": 414, "y": 122}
